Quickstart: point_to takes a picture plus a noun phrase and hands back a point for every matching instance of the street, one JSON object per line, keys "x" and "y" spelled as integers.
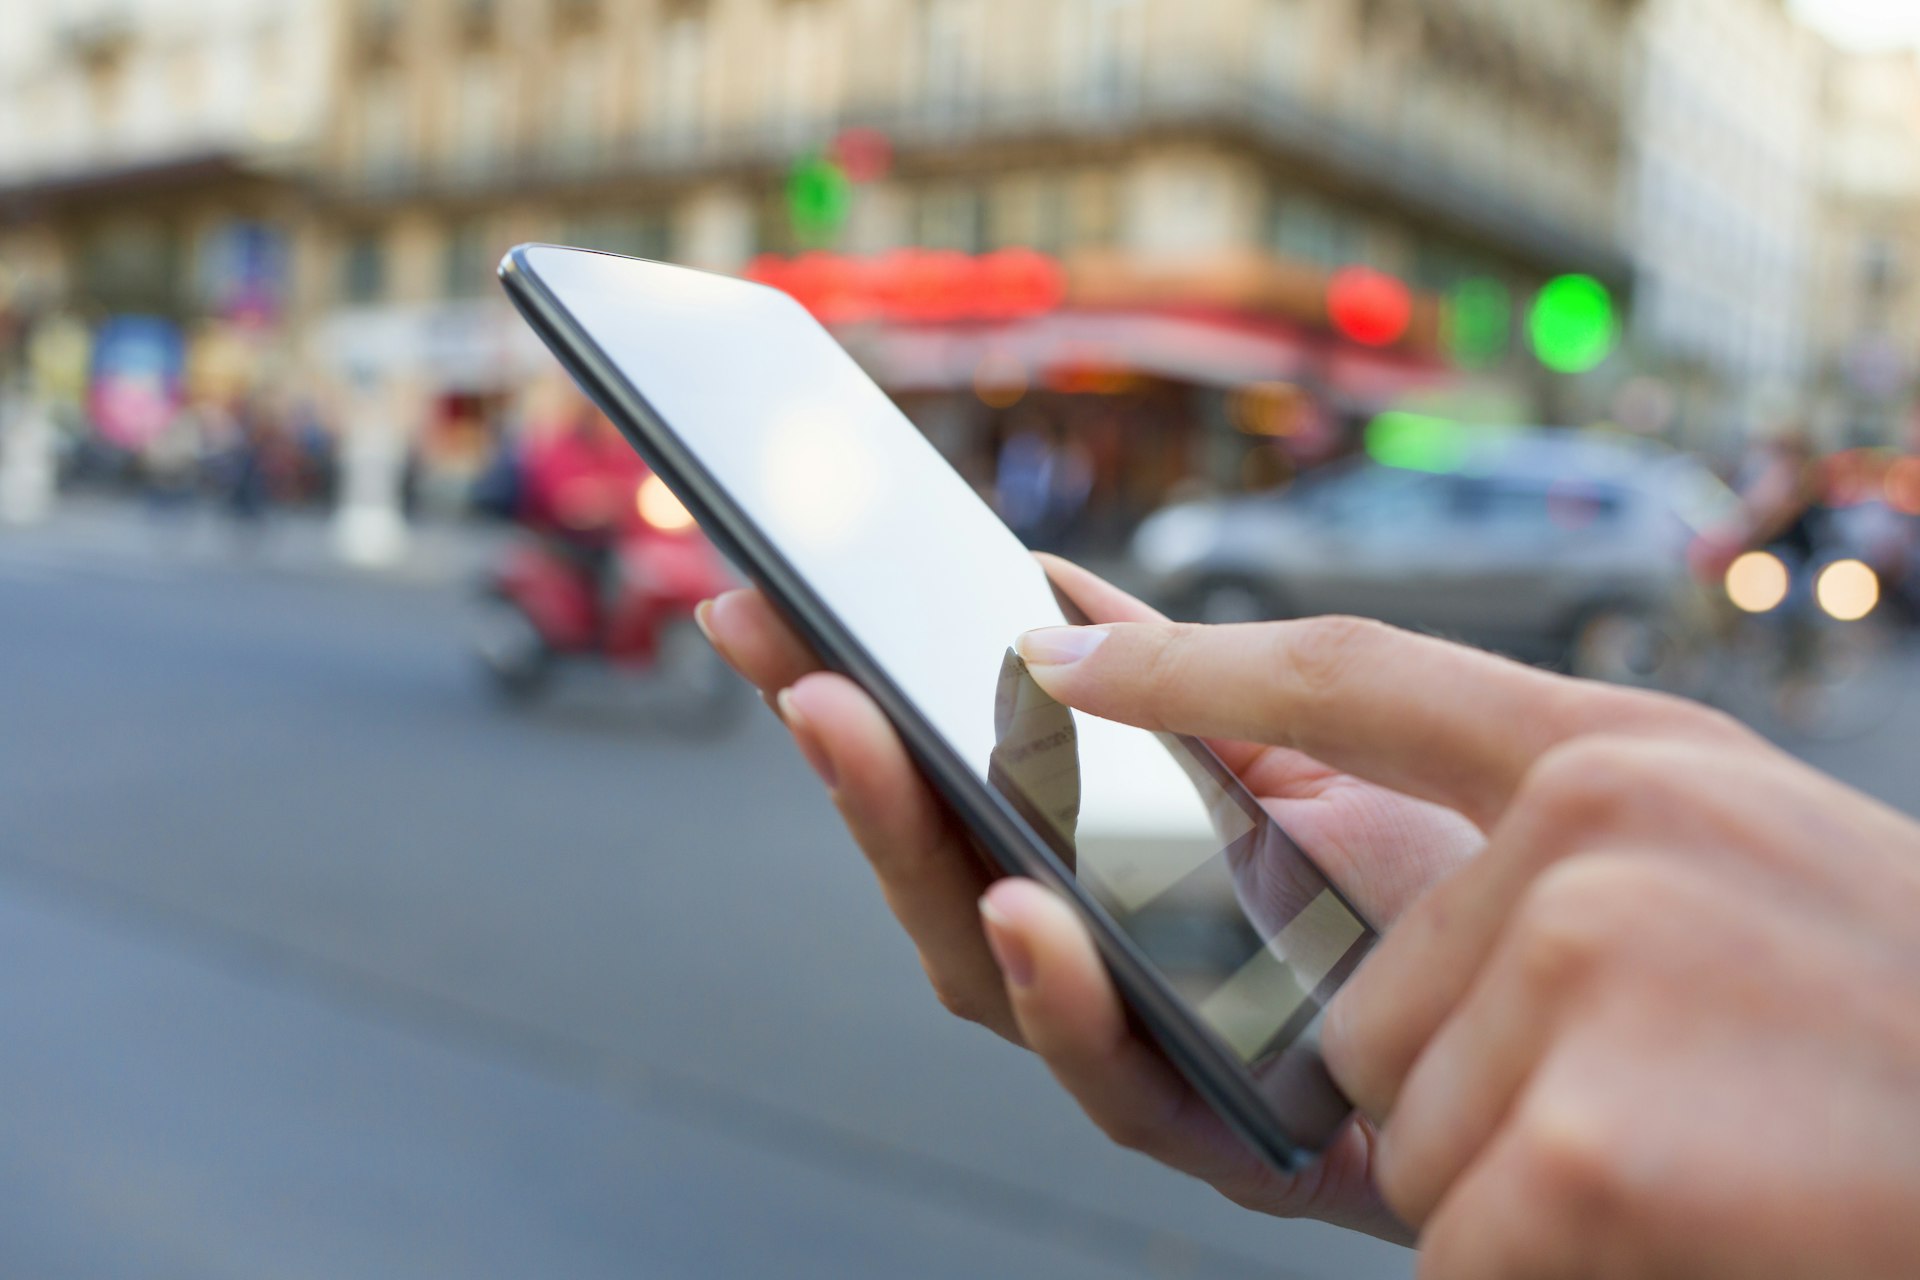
{"x": 314, "y": 961}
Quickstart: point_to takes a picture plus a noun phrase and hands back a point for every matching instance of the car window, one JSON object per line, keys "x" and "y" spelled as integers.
{"x": 1382, "y": 499}
{"x": 1530, "y": 507}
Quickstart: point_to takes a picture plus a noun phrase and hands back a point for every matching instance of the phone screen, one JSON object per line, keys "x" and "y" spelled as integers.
{"x": 928, "y": 580}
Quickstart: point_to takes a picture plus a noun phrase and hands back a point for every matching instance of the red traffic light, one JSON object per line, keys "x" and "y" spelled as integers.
{"x": 864, "y": 155}
{"x": 1368, "y": 306}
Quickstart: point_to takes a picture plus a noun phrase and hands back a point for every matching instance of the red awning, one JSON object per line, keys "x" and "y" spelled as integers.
{"x": 1205, "y": 351}
{"x": 1219, "y": 351}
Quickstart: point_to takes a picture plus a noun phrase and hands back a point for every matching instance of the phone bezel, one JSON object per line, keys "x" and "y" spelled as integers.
{"x": 1008, "y": 838}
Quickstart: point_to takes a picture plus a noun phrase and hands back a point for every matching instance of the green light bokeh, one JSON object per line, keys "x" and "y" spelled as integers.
{"x": 1416, "y": 442}
{"x": 1479, "y": 322}
{"x": 819, "y": 198}
{"x": 1573, "y": 324}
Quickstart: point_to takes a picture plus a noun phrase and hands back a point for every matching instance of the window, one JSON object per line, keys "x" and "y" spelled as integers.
{"x": 951, "y": 218}
{"x": 1879, "y": 266}
{"x": 575, "y": 17}
{"x": 1381, "y": 500}
{"x": 579, "y": 98}
{"x": 951, "y": 53}
{"x": 1285, "y": 42}
{"x": 1108, "y": 41}
{"x": 681, "y": 84}
{"x": 1093, "y": 211}
{"x": 378, "y": 31}
{"x": 363, "y": 269}
{"x": 1308, "y": 230}
{"x": 636, "y": 234}
{"x": 1031, "y": 211}
{"x": 384, "y": 145}
{"x": 478, "y": 115}
{"x": 468, "y": 261}
{"x": 477, "y": 21}
{"x": 806, "y": 71}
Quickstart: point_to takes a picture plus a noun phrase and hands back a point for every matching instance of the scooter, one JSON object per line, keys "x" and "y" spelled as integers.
{"x": 543, "y": 608}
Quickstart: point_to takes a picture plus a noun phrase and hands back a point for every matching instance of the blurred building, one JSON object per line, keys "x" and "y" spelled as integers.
{"x": 1869, "y": 279}
{"x": 1241, "y": 220}
{"x": 1199, "y": 173}
{"x": 155, "y": 154}
{"x": 158, "y": 233}
{"x": 1722, "y": 211}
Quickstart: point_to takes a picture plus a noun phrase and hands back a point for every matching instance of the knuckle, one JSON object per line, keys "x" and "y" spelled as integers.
{"x": 1321, "y": 655}
{"x": 1578, "y": 918}
{"x": 1571, "y": 1154}
{"x": 1587, "y": 784}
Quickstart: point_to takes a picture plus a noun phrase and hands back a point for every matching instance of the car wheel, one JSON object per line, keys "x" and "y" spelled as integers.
{"x": 516, "y": 657}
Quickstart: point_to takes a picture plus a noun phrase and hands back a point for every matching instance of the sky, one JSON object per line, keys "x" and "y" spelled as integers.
{"x": 1865, "y": 24}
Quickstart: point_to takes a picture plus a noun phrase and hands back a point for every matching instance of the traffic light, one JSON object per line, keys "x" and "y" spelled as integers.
{"x": 1478, "y": 324}
{"x": 1368, "y": 306}
{"x": 1573, "y": 325}
{"x": 819, "y": 198}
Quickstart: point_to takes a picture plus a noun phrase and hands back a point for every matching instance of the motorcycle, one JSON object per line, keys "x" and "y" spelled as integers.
{"x": 629, "y": 606}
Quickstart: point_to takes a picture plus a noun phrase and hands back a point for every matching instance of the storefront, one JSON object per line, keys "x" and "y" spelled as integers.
{"x": 1077, "y": 418}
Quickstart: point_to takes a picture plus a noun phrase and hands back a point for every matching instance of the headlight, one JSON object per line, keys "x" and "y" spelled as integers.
{"x": 1848, "y": 590}
{"x": 1173, "y": 539}
{"x": 1757, "y": 582}
{"x": 659, "y": 508}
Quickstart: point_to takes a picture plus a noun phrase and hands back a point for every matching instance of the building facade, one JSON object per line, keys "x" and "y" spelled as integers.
{"x": 1868, "y": 294}
{"x": 1722, "y": 210}
{"x": 1202, "y": 172}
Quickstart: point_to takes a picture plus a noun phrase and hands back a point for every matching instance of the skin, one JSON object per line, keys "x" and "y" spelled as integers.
{"x": 1648, "y": 1003}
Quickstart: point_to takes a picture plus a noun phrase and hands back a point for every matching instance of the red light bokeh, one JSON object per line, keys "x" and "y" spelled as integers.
{"x": 1368, "y": 306}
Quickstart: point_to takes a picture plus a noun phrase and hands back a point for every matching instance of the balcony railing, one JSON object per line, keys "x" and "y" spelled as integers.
{"x": 1400, "y": 171}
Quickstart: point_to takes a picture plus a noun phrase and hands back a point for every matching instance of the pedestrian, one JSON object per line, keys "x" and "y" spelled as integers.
{"x": 1648, "y": 999}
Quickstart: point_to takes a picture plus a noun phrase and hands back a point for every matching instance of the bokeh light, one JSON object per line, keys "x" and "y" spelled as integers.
{"x": 1000, "y": 380}
{"x": 1416, "y": 442}
{"x": 819, "y": 199}
{"x": 1368, "y": 306}
{"x": 1573, "y": 325}
{"x": 659, "y": 508}
{"x": 1757, "y": 582}
{"x": 1274, "y": 409}
{"x": 1479, "y": 322}
{"x": 1848, "y": 590}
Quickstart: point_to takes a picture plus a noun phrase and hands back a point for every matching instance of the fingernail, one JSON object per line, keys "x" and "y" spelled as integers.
{"x": 1009, "y": 949}
{"x": 809, "y": 745}
{"x": 703, "y": 619}
{"x": 1059, "y": 646}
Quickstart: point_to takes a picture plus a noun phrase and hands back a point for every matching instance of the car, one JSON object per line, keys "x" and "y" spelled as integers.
{"x": 1566, "y": 548}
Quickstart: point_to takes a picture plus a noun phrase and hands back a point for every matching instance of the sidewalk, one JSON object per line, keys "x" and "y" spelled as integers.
{"x": 125, "y": 531}
{"x": 439, "y": 553}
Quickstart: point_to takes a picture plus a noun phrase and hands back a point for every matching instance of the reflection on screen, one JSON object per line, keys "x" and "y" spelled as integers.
{"x": 936, "y": 589}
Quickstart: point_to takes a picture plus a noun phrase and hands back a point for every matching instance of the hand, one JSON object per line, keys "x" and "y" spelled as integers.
{"x": 1383, "y": 848}
{"x": 1667, "y": 1024}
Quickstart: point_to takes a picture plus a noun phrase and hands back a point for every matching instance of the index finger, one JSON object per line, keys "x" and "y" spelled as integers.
{"x": 1422, "y": 716}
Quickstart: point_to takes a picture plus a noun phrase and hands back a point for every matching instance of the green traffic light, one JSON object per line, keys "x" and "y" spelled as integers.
{"x": 819, "y": 198}
{"x": 1478, "y": 322}
{"x": 1573, "y": 324}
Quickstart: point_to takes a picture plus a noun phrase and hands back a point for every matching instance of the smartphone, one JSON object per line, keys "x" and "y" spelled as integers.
{"x": 1223, "y": 937}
